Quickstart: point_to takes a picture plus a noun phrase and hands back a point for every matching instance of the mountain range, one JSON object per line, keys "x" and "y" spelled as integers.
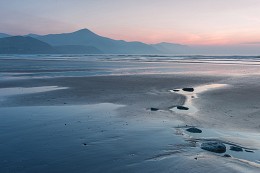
{"x": 83, "y": 41}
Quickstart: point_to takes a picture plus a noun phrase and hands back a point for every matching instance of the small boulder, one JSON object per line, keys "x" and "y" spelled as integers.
{"x": 188, "y": 89}
{"x": 154, "y": 109}
{"x": 182, "y": 108}
{"x": 216, "y": 147}
{"x": 235, "y": 148}
{"x": 249, "y": 151}
{"x": 226, "y": 155}
{"x": 194, "y": 130}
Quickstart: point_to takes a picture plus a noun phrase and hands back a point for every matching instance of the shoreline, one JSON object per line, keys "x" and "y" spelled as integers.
{"x": 140, "y": 93}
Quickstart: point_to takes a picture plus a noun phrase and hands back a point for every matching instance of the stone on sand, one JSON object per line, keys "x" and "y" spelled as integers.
{"x": 182, "y": 108}
{"x": 235, "y": 148}
{"x": 194, "y": 130}
{"x": 249, "y": 151}
{"x": 188, "y": 89}
{"x": 154, "y": 109}
{"x": 216, "y": 147}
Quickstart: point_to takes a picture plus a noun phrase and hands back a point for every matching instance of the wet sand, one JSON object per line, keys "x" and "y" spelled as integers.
{"x": 236, "y": 107}
{"x": 125, "y": 135}
{"x": 228, "y": 107}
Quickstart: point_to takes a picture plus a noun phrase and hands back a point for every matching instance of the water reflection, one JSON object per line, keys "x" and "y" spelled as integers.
{"x": 192, "y": 95}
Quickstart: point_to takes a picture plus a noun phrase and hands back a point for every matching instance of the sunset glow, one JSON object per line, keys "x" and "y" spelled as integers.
{"x": 204, "y": 22}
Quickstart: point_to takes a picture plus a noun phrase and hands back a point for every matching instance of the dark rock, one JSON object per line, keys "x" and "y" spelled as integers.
{"x": 194, "y": 130}
{"x": 216, "y": 147}
{"x": 154, "y": 109}
{"x": 188, "y": 89}
{"x": 226, "y": 155}
{"x": 249, "y": 151}
{"x": 235, "y": 148}
{"x": 182, "y": 108}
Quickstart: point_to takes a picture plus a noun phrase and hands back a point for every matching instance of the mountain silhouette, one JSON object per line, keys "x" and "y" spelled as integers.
{"x": 24, "y": 45}
{"x": 85, "y": 41}
{"x": 85, "y": 37}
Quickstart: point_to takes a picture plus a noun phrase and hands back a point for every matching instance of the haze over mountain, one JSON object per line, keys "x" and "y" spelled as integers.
{"x": 171, "y": 48}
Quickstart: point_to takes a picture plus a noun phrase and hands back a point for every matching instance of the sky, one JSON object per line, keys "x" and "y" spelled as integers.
{"x": 193, "y": 22}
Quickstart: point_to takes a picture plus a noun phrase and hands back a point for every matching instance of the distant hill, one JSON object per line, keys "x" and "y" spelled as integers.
{"x": 85, "y": 41}
{"x": 86, "y": 37}
{"x": 172, "y": 48}
{"x": 2, "y": 35}
{"x": 24, "y": 45}
{"x": 32, "y": 35}
{"x": 77, "y": 49}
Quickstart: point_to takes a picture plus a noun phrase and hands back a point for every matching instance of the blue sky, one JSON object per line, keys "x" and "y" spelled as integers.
{"x": 208, "y": 22}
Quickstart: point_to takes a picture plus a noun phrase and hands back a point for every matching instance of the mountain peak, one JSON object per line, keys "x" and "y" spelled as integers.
{"x": 84, "y": 30}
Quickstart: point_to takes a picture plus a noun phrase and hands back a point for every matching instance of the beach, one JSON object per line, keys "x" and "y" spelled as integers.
{"x": 112, "y": 115}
